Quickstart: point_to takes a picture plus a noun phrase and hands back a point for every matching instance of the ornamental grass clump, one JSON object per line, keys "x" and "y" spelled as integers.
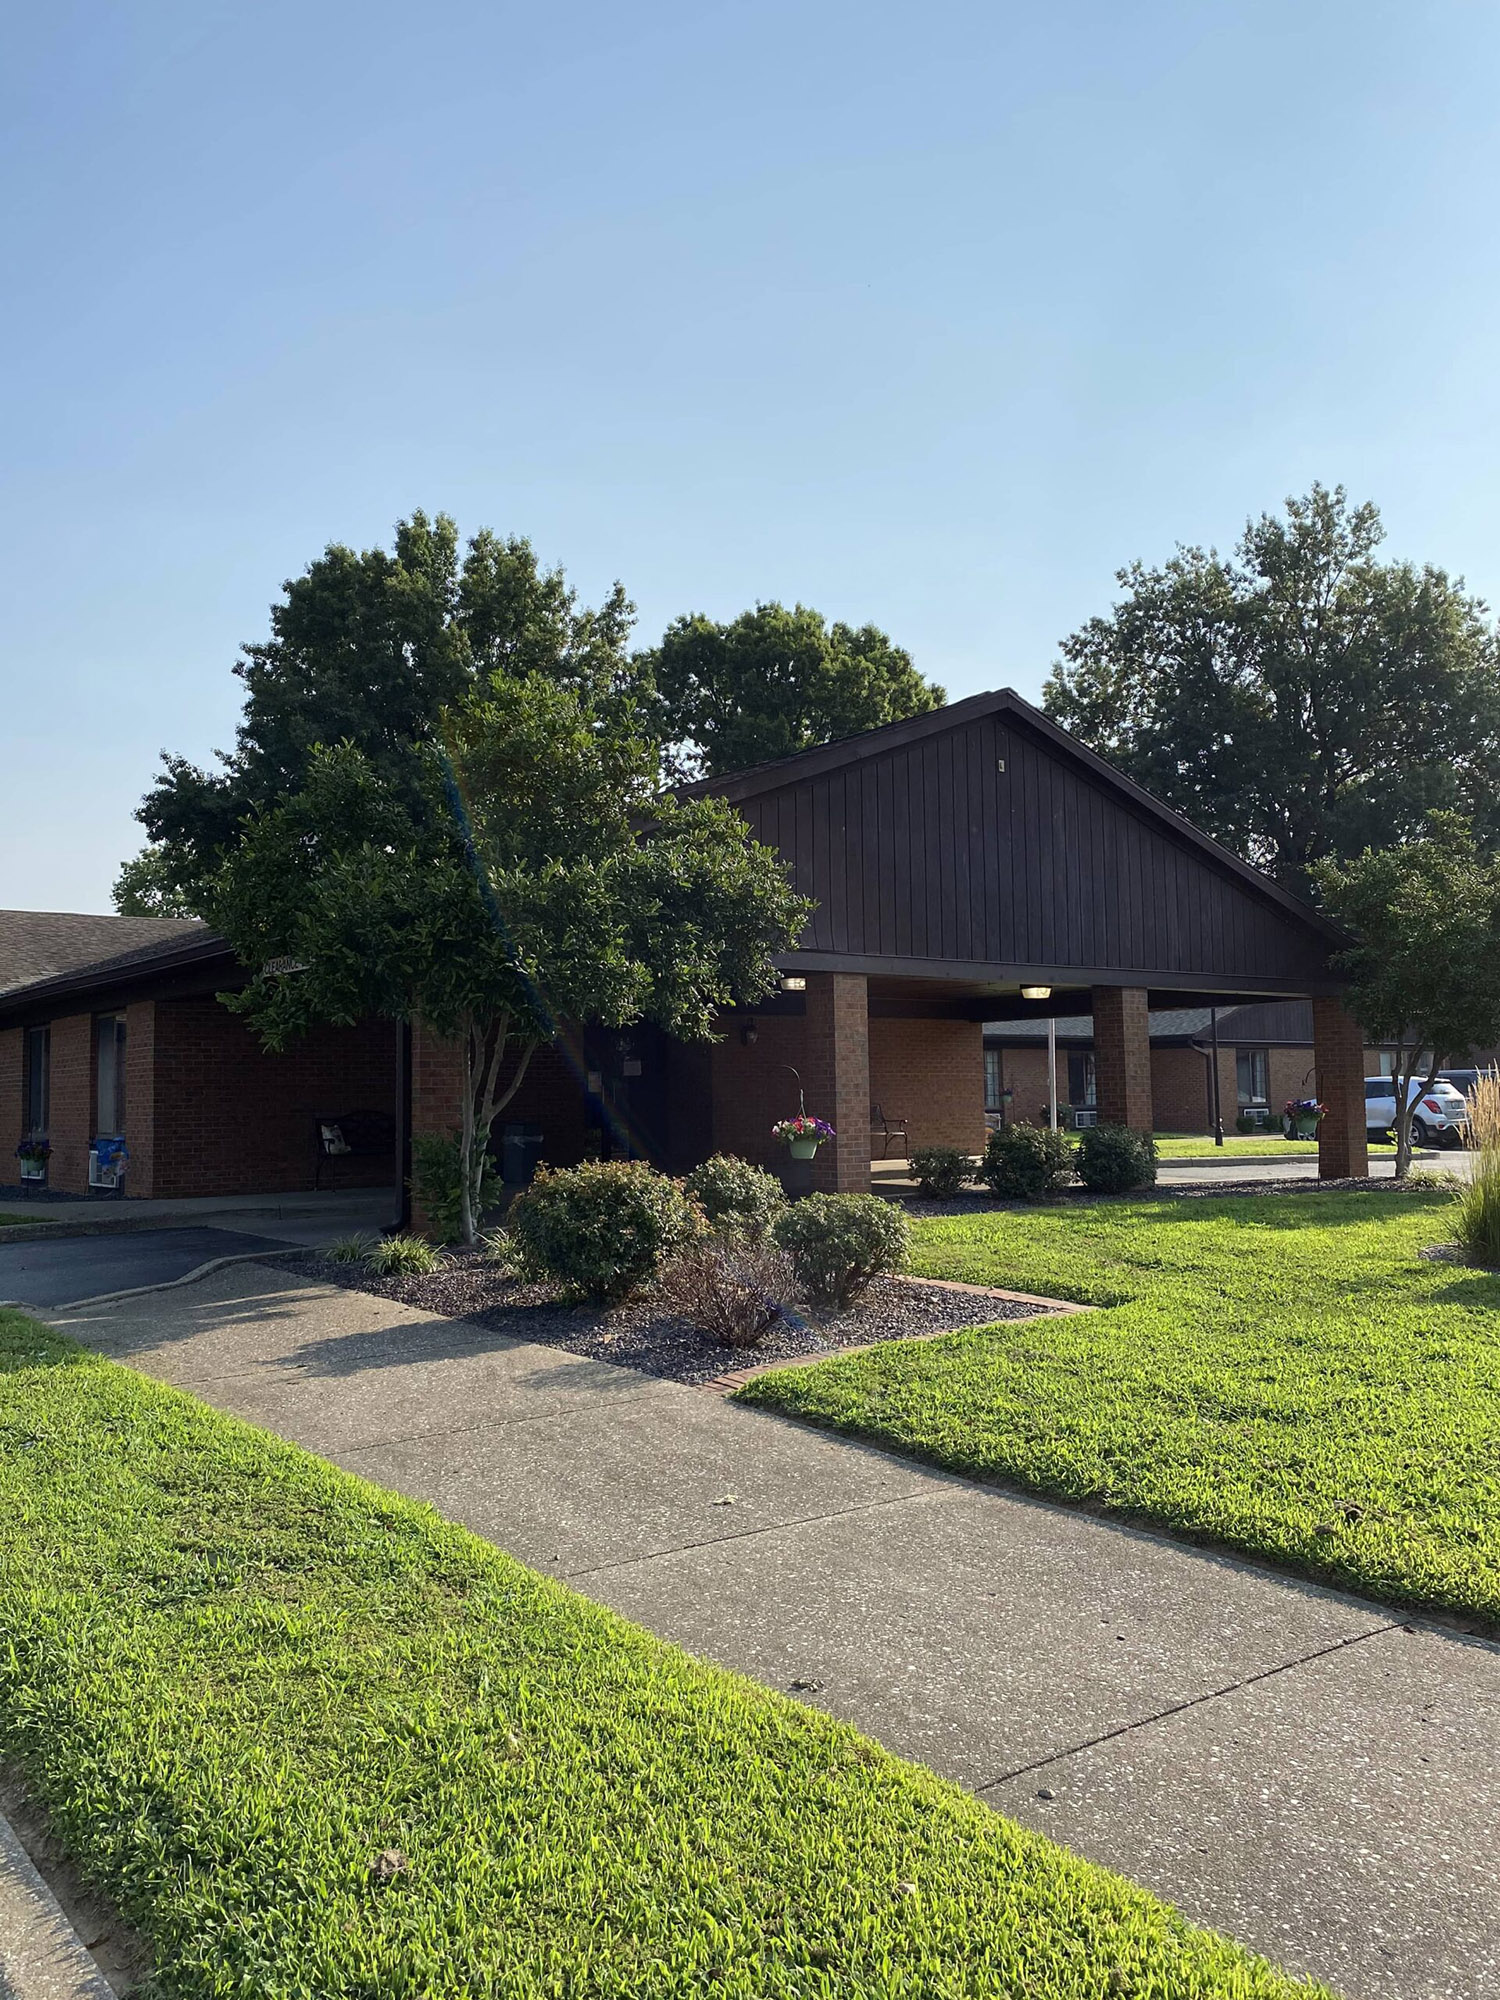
{"x": 403, "y": 1256}
{"x": 739, "y": 1199}
{"x": 1026, "y": 1162}
{"x": 839, "y": 1243}
{"x": 603, "y": 1229}
{"x": 1478, "y": 1205}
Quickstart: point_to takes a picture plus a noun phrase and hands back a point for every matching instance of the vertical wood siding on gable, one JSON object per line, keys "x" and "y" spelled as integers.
{"x": 932, "y": 852}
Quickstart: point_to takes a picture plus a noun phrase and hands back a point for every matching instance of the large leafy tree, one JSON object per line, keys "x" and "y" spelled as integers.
{"x": 368, "y": 648}
{"x": 1425, "y": 966}
{"x": 774, "y": 681}
{"x": 1298, "y": 699}
{"x": 528, "y": 873}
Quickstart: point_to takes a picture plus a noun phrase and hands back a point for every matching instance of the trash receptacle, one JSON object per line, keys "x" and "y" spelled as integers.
{"x": 520, "y": 1149}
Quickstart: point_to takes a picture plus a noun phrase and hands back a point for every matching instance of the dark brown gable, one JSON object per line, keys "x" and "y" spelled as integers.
{"x": 996, "y": 842}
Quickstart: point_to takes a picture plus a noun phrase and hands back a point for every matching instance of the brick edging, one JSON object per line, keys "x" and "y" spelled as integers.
{"x": 736, "y": 1378}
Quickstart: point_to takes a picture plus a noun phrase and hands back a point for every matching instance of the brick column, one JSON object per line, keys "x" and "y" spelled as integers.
{"x": 836, "y": 1077}
{"x": 1122, "y": 1056}
{"x": 140, "y": 1098}
{"x": 12, "y": 1100}
{"x": 437, "y": 1093}
{"x": 1339, "y": 1057}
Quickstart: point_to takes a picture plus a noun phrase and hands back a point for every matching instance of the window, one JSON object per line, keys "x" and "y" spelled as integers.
{"x": 1251, "y": 1077}
{"x": 992, "y": 1099}
{"x": 1375, "y": 1091}
{"x": 1082, "y": 1082}
{"x": 38, "y": 1081}
{"x": 109, "y": 1118}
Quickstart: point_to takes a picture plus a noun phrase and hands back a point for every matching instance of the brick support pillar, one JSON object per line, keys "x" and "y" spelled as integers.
{"x": 140, "y": 1099}
{"x": 1122, "y": 1056}
{"x": 12, "y": 1100}
{"x": 437, "y": 1093}
{"x": 836, "y": 1077}
{"x": 1339, "y": 1057}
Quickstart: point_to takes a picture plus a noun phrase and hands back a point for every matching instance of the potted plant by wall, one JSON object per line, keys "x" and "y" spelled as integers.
{"x": 1299, "y": 1117}
{"x": 33, "y": 1155}
{"x": 802, "y": 1135}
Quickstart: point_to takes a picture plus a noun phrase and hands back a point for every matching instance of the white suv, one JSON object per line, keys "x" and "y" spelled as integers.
{"x": 1438, "y": 1115}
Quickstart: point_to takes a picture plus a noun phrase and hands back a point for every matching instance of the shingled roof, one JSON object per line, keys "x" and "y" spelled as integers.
{"x": 36, "y": 943}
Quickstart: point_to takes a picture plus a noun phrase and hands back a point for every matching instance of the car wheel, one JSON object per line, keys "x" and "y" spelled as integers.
{"x": 1420, "y": 1136}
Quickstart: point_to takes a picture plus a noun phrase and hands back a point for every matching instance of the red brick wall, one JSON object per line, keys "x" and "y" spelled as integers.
{"x": 1122, "y": 1056}
{"x": 836, "y": 1068}
{"x": 1179, "y": 1091}
{"x": 12, "y": 1101}
{"x": 71, "y": 1118}
{"x": 1342, "y": 1146}
{"x": 932, "y": 1074}
{"x": 141, "y": 1099}
{"x": 228, "y": 1118}
{"x": 751, "y": 1089}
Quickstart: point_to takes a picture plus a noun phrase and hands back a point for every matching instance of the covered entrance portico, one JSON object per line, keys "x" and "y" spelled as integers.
{"x": 960, "y": 863}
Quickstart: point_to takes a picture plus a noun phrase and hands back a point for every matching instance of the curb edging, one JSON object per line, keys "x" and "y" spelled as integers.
{"x": 42, "y": 1957}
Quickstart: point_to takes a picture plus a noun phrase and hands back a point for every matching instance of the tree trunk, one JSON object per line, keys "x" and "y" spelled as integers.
{"x": 485, "y": 1047}
{"x": 1406, "y": 1101}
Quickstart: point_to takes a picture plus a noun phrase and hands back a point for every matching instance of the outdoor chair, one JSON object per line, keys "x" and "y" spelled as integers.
{"x": 350, "y": 1139}
{"x": 885, "y": 1129}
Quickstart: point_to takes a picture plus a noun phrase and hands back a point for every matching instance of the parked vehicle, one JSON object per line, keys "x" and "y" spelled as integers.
{"x": 1463, "y": 1080}
{"x": 1439, "y": 1116}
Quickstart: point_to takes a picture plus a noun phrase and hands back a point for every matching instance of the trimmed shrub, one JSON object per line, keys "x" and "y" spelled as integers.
{"x": 437, "y": 1183}
{"x": 941, "y": 1170}
{"x": 1112, "y": 1159}
{"x": 402, "y": 1257}
{"x": 603, "y": 1229}
{"x": 839, "y": 1242}
{"x": 733, "y": 1291}
{"x": 1026, "y": 1162}
{"x": 737, "y": 1198}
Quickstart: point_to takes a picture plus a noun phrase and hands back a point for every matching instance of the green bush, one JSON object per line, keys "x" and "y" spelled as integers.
{"x": 603, "y": 1229}
{"x": 437, "y": 1184}
{"x": 1026, "y": 1162}
{"x": 839, "y": 1242}
{"x": 402, "y": 1257}
{"x": 1112, "y": 1159}
{"x": 941, "y": 1170}
{"x": 1478, "y": 1212}
{"x": 738, "y": 1199}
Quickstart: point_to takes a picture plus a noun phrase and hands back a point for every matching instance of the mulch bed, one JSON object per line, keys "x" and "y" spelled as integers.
{"x": 638, "y": 1335}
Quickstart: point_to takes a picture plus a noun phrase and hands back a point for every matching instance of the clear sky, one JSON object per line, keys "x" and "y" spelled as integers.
{"x": 927, "y": 315}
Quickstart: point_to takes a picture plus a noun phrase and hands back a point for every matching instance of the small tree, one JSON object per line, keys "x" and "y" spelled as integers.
{"x": 1425, "y": 968}
{"x": 528, "y": 876}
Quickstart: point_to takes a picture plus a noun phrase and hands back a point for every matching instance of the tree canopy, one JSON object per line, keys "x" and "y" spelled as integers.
{"x": 1299, "y": 699}
{"x": 1425, "y": 965}
{"x": 367, "y": 649}
{"x": 529, "y": 875}
{"x": 775, "y": 681}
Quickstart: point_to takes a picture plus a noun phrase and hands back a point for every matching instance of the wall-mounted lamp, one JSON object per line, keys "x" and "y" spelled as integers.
{"x": 792, "y": 982}
{"x": 1036, "y": 992}
{"x": 749, "y": 1034}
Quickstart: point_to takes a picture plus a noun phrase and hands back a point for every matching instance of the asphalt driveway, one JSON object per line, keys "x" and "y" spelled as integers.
{"x": 59, "y": 1273}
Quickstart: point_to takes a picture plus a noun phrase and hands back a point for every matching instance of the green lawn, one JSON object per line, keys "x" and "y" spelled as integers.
{"x": 1281, "y": 1373}
{"x": 238, "y": 1677}
{"x": 1249, "y": 1146}
{"x": 6, "y": 1219}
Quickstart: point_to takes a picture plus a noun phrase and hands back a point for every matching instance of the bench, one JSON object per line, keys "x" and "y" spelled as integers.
{"x": 885, "y": 1129}
{"x": 351, "y": 1136}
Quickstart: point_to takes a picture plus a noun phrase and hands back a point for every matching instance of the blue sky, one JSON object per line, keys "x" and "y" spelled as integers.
{"x": 932, "y": 316}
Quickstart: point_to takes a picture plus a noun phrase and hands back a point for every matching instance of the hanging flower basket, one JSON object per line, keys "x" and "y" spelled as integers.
{"x": 802, "y": 1135}
{"x": 1300, "y": 1116}
{"x": 33, "y": 1155}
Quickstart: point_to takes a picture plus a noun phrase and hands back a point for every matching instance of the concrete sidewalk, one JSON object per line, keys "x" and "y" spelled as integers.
{"x": 1304, "y": 1770}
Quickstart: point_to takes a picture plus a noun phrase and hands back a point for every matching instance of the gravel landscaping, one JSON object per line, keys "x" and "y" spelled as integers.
{"x": 638, "y": 1335}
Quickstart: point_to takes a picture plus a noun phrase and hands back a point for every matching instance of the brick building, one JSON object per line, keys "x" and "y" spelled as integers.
{"x": 969, "y": 867}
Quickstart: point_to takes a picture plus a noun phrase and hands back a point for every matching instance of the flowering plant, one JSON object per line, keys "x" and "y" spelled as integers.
{"x": 1304, "y": 1107}
{"x": 801, "y": 1127}
{"x": 33, "y": 1149}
